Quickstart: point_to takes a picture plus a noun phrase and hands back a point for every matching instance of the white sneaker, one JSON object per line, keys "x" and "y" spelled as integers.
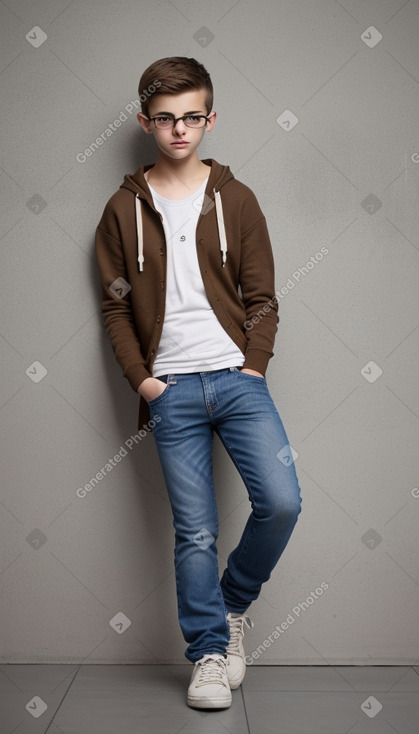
{"x": 236, "y": 664}
{"x": 209, "y": 688}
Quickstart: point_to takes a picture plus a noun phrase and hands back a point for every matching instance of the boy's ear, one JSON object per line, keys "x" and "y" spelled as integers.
{"x": 144, "y": 122}
{"x": 212, "y": 115}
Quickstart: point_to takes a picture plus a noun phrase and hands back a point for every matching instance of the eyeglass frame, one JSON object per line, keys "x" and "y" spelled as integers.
{"x": 175, "y": 120}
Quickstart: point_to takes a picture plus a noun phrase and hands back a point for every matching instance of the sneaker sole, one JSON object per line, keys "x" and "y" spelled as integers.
{"x": 213, "y": 703}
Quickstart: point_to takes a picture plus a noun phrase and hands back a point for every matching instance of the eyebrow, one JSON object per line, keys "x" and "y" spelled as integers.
{"x": 190, "y": 112}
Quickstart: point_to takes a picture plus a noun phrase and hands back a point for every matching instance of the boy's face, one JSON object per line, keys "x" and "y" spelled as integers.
{"x": 178, "y": 141}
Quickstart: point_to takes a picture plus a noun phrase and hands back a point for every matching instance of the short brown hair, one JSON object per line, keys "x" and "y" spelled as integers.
{"x": 173, "y": 75}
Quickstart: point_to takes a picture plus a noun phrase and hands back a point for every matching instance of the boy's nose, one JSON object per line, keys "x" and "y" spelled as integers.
{"x": 180, "y": 127}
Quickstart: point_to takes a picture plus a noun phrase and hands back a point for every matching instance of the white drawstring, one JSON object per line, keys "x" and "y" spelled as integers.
{"x": 139, "y": 223}
{"x": 221, "y": 226}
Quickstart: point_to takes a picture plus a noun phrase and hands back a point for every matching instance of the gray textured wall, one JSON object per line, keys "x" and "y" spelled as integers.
{"x": 318, "y": 108}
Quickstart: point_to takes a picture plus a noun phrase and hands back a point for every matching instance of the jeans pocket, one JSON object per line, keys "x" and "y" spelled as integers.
{"x": 251, "y": 377}
{"x": 160, "y": 397}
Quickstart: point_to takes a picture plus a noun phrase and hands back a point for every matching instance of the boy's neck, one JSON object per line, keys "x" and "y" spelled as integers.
{"x": 177, "y": 176}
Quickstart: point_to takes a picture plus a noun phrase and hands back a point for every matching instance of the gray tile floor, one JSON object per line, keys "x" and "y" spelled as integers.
{"x": 132, "y": 699}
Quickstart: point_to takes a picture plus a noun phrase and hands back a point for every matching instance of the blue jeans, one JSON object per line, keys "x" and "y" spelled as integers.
{"x": 239, "y": 408}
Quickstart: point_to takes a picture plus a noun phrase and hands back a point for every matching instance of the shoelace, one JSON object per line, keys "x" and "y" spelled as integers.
{"x": 236, "y": 633}
{"x": 211, "y": 670}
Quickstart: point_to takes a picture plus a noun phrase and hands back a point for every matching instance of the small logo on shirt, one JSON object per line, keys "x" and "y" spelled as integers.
{"x": 183, "y": 238}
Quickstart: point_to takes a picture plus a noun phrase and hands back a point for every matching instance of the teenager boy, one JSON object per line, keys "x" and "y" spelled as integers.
{"x": 189, "y": 305}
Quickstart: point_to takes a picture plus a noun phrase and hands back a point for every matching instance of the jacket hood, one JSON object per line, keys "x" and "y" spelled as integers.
{"x": 219, "y": 175}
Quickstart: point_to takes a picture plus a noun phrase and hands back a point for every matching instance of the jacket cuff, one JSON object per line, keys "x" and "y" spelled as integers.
{"x": 256, "y": 359}
{"x": 136, "y": 374}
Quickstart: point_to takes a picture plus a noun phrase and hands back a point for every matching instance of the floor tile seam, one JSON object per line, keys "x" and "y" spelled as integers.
{"x": 63, "y": 698}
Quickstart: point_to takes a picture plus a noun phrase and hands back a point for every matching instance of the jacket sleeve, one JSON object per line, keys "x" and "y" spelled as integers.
{"x": 257, "y": 282}
{"x": 116, "y": 302}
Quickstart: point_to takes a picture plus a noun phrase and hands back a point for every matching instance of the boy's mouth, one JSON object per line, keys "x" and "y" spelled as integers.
{"x": 180, "y": 143}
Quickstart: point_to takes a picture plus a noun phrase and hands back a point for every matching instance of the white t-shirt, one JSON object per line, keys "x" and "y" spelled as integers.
{"x": 192, "y": 339}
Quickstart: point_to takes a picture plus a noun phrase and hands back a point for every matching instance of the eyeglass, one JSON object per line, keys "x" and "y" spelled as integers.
{"x": 163, "y": 122}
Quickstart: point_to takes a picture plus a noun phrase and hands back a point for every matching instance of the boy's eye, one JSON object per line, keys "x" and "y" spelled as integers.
{"x": 162, "y": 119}
{"x": 193, "y": 118}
